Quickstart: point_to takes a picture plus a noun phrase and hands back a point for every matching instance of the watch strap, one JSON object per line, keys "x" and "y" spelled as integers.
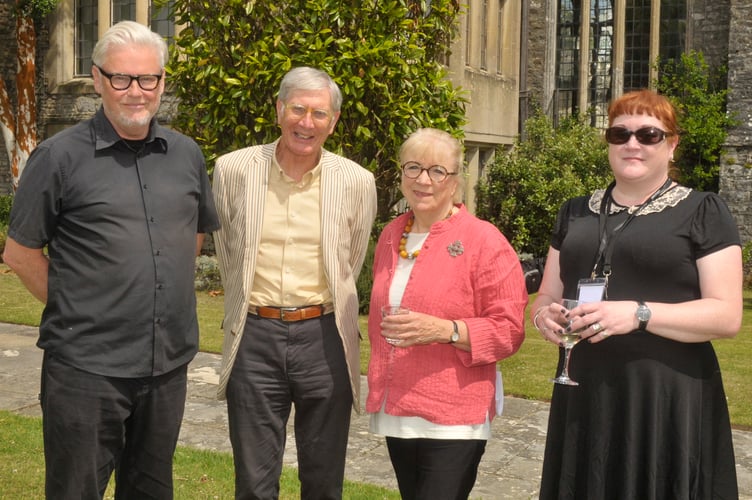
{"x": 455, "y": 333}
{"x": 643, "y": 322}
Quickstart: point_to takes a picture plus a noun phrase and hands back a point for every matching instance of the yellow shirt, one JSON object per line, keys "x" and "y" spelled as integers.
{"x": 290, "y": 265}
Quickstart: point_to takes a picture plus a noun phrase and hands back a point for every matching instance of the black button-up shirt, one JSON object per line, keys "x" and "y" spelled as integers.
{"x": 120, "y": 224}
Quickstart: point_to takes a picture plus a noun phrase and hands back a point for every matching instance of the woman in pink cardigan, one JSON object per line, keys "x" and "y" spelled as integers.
{"x": 432, "y": 371}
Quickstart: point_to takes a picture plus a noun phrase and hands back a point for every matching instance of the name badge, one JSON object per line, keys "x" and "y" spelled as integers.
{"x": 591, "y": 290}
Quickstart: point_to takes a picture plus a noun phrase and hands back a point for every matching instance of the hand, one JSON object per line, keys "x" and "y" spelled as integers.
{"x": 551, "y": 320}
{"x": 414, "y": 328}
{"x": 601, "y": 320}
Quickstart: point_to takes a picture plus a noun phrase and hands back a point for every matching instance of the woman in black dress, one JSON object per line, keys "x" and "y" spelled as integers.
{"x": 649, "y": 418}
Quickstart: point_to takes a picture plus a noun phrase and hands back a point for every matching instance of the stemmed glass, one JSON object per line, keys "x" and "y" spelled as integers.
{"x": 569, "y": 339}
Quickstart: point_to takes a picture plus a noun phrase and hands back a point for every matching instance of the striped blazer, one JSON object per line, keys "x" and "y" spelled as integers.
{"x": 348, "y": 209}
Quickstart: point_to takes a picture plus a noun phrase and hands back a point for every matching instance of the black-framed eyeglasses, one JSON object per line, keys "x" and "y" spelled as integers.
{"x": 437, "y": 173}
{"x": 120, "y": 81}
{"x": 648, "y": 136}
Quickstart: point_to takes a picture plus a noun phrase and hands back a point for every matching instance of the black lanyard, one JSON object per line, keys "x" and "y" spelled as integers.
{"x": 606, "y": 246}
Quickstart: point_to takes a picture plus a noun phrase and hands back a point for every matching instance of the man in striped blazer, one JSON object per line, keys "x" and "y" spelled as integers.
{"x": 296, "y": 220}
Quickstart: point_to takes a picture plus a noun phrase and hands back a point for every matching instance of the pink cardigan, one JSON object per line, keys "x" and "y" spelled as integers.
{"x": 483, "y": 286}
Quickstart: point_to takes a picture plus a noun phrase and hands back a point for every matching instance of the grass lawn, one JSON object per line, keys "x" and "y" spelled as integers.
{"x": 198, "y": 474}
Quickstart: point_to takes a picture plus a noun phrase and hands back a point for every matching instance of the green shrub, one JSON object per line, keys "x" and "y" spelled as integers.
{"x": 5, "y": 203}
{"x": 747, "y": 264}
{"x": 3, "y": 238}
{"x": 365, "y": 280}
{"x": 698, "y": 91}
{"x": 525, "y": 186}
{"x": 207, "y": 274}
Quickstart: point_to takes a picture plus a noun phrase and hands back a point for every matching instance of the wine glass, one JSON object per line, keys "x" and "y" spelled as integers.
{"x": 569, "y": 339}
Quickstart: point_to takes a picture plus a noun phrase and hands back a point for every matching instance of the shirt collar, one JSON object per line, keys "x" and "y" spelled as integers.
{"x": 308, "y": 177}
{"x": 106, "y": 137}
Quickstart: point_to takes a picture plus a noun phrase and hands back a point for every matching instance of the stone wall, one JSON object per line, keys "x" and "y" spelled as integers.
{"x": 736, "y": 163}
{"x": 709, "y": 29}
{"x": 536, "y": 50}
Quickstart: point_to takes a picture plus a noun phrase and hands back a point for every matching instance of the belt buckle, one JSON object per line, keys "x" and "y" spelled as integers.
{"x": 284, "y": 310}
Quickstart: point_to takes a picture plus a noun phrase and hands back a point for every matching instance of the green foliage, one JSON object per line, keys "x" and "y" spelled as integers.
{"x": 3, "y": 239}
{"x": 383, "y": 54}
{"x": 747, "y": 264}
{"x": 524, "y": 187}
{"x": 5, "y": 204}
{"x": 365, "y": 280}
{"x": 37, "y": 9}
{"x": 207, "y": 274}
{"x": 698, "y": 91}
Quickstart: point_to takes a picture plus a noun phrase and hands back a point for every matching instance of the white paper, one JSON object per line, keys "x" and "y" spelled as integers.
{"x": 590, "y": 293}
{"x": 499, "y": 393}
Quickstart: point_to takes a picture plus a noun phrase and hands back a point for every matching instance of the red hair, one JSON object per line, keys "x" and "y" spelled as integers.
{"x": 645, "y": 102}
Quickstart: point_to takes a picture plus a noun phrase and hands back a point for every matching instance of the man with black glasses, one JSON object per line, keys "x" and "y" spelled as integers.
{"x": 121, "y": 204}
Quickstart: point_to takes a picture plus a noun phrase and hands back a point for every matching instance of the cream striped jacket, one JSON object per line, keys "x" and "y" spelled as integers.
{"x": 348, "y": 209}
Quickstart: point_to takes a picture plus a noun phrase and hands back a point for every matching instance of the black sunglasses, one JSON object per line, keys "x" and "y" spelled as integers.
{"x": 648, "y": 136}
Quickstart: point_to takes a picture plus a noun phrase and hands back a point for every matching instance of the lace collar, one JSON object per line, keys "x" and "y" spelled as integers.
{"x": 670, "y": 198}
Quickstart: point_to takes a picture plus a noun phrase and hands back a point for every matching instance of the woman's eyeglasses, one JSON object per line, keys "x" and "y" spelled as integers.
{"x": 648, "y": 136}
{"x": 437, "y": 173}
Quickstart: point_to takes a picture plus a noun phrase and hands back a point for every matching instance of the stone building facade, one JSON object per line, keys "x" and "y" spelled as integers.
{"x": 736, "y": 163}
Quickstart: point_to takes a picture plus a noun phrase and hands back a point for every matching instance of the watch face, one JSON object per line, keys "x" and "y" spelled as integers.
{"x": 455, "y": 336}
{"x": 643, "y": 313}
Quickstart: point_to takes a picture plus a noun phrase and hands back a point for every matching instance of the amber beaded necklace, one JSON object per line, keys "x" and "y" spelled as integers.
{"x": 403, "y": 241}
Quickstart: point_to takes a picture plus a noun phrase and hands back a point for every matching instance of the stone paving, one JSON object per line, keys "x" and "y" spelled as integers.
{"x": 510, "y": 468}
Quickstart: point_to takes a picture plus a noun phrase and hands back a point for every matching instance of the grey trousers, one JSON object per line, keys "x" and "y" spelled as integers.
{"x": 280, "y": 365}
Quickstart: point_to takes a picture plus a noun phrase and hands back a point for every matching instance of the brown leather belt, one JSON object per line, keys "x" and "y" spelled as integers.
{"x": 290, "y": 314}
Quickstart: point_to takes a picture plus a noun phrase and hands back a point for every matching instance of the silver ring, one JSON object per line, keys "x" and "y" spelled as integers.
{"x": 596, "y": 327}
{"x": 392, "y": 341}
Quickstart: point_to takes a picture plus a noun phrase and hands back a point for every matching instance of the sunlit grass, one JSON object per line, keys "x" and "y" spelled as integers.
{"x": 197, "y": 474}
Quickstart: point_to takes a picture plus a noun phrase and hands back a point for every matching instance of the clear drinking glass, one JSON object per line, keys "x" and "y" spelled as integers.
{"x": 390, "y": 310}
{"x": 393, "y": 309}
{"x": 569, "y": 340}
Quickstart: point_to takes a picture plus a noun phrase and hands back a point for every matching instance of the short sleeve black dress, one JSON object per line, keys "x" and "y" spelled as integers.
{"x": 649, "y": 419}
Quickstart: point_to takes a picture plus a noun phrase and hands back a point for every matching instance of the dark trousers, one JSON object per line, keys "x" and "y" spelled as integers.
{"x": 279, "y": 365}
{"x": 435, "y": 469}
{"x": 94, "y": 425}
